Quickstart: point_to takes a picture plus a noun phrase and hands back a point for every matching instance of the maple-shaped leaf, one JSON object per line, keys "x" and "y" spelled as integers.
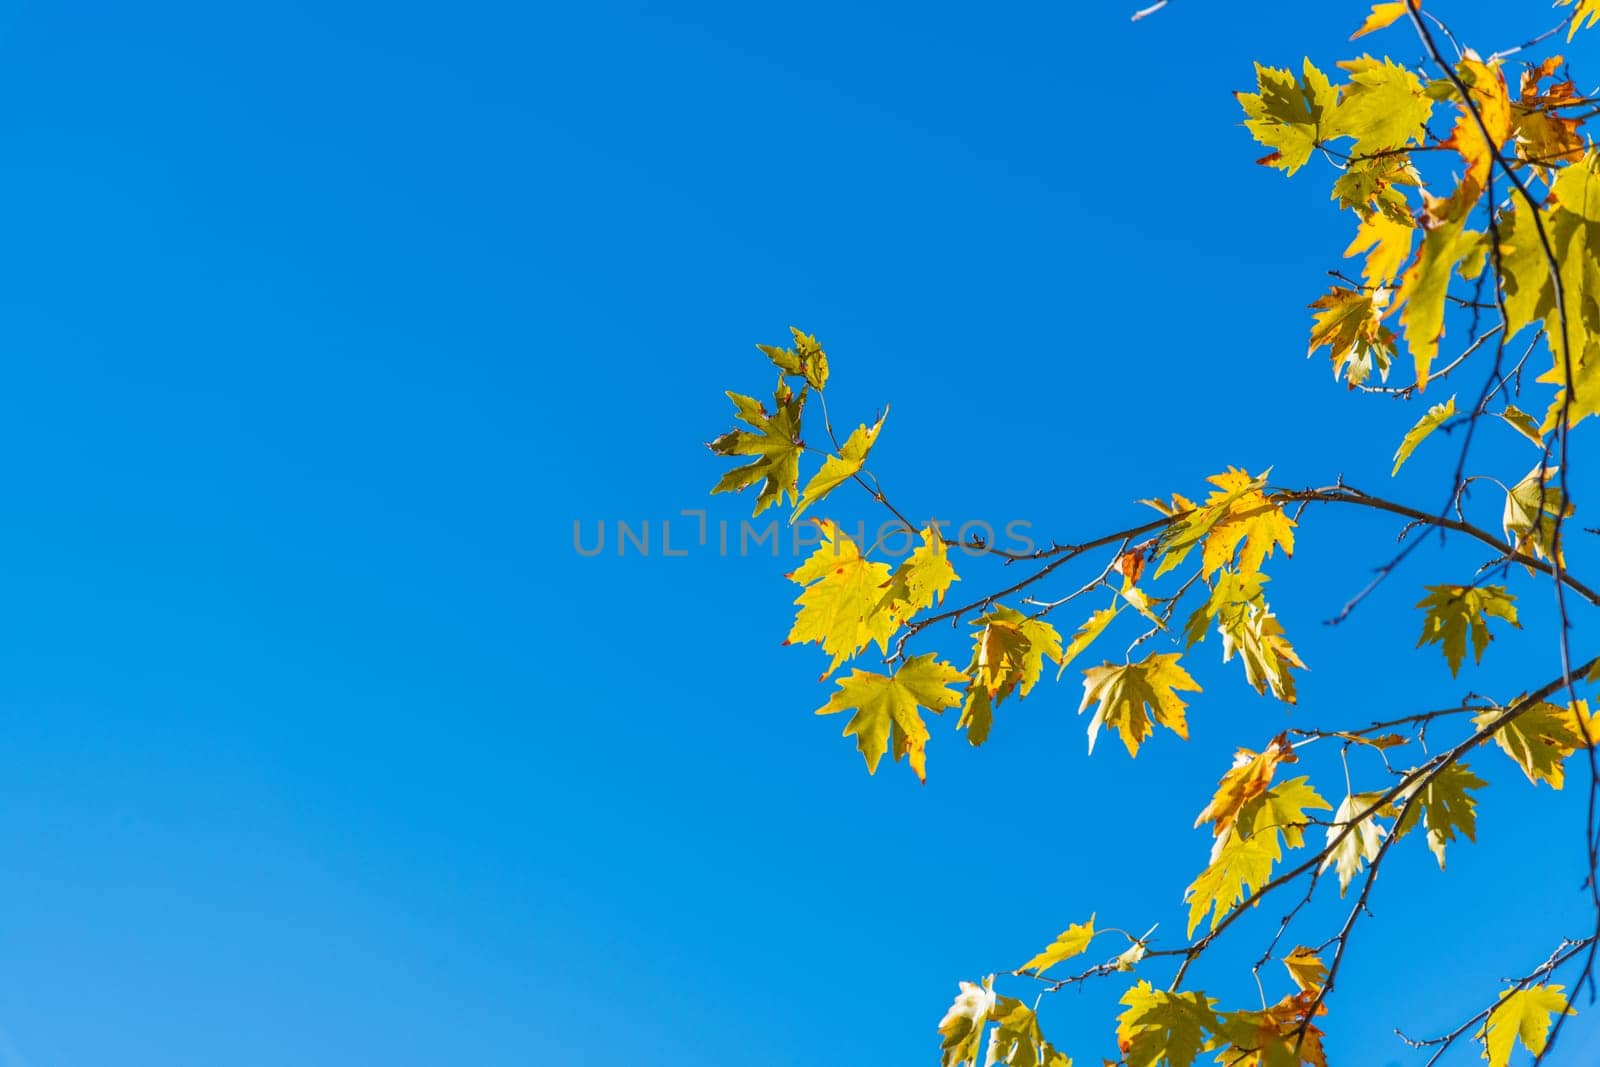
{"x": 1586, "y": 14}
{"x": 775, "y": 442}
{"x": 1387, "y": 243}
{"x": 1251, "y": 528}
{"x": 1287, "y": 114}
{"x": 1239, "y": 865}
{"x": 1247, "y": 779}
{"x": 1533, "y": 508}
{"x": 1445, "y": 806}
{"x": 886, "y": 706}
{"x": 1163, "y": 1027}
{"x": 1347, "y": 321}
{"x": 1436, "y": 417}
{"x": 1455, "y": 610}
{"x": 806, "y": 358}
{"x": 961, "y": 1029}
{"x": 1010, "y": 649}
{"x": 1282, "y": 810}
{"x": 1383, "y": 107}
{"x": 1236, "y": 519}
{"x": 1539, "y": 739}
{"x": 920, "y": 581}
{"x": 1016, "y": 1040}
{"x": 839, "y": 608}
{"x": 1306, "y": 969}
{"x": 1382, "y": 15}
{"x": 1084, "y": 636}
{"x": 1134, "y": 698}
{"x": 1525, "y": 1015}
{"x": 1073, "y": 941}
{"x": 1281, "y": 1035}
{"x": 836, "y": 470}
{"x": 1362, "y": 842}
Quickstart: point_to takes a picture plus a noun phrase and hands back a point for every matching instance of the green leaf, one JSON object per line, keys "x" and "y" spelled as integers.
{"x": 886, "y": 708}
{"x": 836, "y": 470}
{"x": 1455, "y": 610}
{"x": 1430, "y": 422}
{"x": 1073, "y": 941}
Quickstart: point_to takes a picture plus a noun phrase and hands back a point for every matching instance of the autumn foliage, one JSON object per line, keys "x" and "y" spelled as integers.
{"x": 1472, "y": 190}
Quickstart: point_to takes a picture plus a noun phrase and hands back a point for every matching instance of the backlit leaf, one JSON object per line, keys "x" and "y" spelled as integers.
{"x": 886, "y": 708}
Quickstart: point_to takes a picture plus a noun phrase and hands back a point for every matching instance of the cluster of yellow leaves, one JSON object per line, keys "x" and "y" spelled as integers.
{"x": 1239, "y": 527}
{"x": 1252, "y": 821}
{"x": 1161, "y": 1027}
{"x": 1015, "y": 1039}
{"x": 1008, "y": 654}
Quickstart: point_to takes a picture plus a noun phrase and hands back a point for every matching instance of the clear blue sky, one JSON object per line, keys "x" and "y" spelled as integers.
{"x": 325, "y": 322}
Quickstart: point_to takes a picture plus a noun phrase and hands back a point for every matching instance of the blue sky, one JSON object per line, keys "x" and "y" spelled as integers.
{"x": 325, "y": 324}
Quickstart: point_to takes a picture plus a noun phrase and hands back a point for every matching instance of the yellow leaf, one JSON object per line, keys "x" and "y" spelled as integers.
{"x": 1539, "y": 739}
{"x": 1361, "y": 843}
{"x": 839, "y": 608}
{"x": 1306, "y": 969}
{"x": 1238, "y": 867}
{"x": 920, "y": 581}
{"x": 1454, "y": 611}
{"x": 1288, "y": 115}
{"x": 836, "y": 470}
{"x": 1532, "y": 508}
{"x": 775, "y": 443}
{"x": 1384, "y": 106}
{"x": 1435, "y": 417}
{"x": 1489, "y": 97}
{"x": 961, "y": 1029}
{"x": 1521, "y": 1014}
{"x": 1382, "y": 15}
{"x": 886, "y": 708}
{"x": 1074, "y": 941}
{"x": 1163, "y": 1028}
{"x": 1133, "y": 698}
{"x": 1092, "y": 628}
{"x": 1249, "y": 777}
{"x": 1387, "y": 244}
{"x": 1252, "y": 525}
{"x": 1423, "y": 290}
{"x": 1347, "y": 321}
{"x": 1587, "y": 10}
